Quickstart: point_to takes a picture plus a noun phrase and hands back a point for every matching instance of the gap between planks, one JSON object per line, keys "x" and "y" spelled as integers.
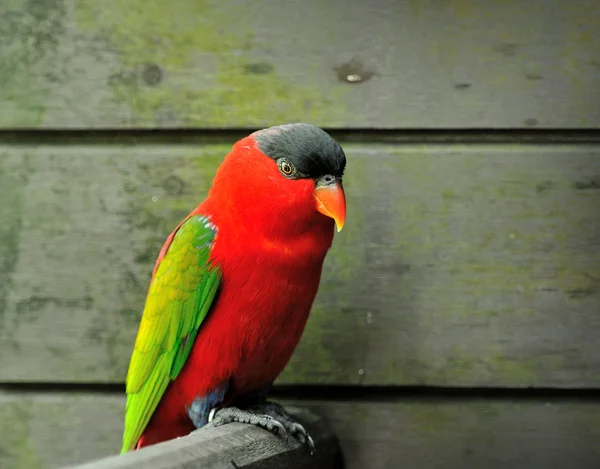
{"x": 345, "y": 393}
{"x": 354, "y": 135}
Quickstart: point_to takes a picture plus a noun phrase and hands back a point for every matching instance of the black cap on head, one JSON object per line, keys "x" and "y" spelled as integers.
{"x": 310, "y": 149}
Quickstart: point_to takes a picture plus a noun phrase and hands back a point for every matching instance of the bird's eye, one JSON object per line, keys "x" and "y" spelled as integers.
{"x": 286, "y": 167}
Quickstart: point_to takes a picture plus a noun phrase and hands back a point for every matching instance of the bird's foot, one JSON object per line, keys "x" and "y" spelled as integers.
{"x": 221, "y": 416}
{"x": 279, "y": 414}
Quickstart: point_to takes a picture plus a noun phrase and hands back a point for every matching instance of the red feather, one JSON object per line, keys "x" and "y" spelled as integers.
{"x": 270, "y": 246}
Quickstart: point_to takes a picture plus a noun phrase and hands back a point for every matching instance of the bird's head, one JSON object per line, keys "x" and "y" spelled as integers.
{"x": 288, "y": 175}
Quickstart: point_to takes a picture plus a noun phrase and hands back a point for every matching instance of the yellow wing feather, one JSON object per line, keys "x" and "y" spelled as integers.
{"x": 181, "y": 292}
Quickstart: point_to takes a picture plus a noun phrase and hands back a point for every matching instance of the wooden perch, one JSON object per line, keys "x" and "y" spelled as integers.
{"x": 235, "y": 446}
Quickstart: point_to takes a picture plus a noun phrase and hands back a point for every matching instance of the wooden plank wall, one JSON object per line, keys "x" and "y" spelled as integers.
{"x": 471, "y": 255}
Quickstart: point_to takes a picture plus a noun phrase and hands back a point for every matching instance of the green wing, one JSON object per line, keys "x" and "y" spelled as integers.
{"x": 181, "y": 292}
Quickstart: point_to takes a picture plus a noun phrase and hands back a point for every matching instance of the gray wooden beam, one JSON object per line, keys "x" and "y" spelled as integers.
{"x": 234, "y": 446}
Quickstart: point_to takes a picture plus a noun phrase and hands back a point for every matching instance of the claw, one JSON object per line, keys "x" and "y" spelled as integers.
{"x": 296, "y": 429}
{"x": 303, "y": 436}
{"x": 311, "y": 445}
{"x": 211, "y": 414}
{"x": 221, "y": 416}
{"x": 280, "y": 429}
{"x": 270, "y": 416}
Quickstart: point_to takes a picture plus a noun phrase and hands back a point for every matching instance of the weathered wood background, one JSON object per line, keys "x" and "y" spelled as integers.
{"x": 471, "y": 259}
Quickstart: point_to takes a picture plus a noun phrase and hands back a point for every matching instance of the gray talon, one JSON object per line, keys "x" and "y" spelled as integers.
{"x": 303, "y": 436}
{"x": 280, "y": 428}
{"x": 311, "y": 444}
{"x": 268, "y": 415}
{"x": 297, "y": 430}
{"x": 211, "y": 414}
{"x": 225, "y": 415}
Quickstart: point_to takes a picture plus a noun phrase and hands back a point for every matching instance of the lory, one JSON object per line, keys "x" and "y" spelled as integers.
{"x": 232, "y": 288}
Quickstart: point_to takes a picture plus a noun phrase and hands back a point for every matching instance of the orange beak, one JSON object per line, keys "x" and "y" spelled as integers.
{"x": 331, "y": 202}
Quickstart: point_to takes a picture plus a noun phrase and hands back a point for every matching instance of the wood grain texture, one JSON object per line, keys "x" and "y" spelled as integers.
{"x": 384, "y": 64}
{"x": 235, "y": 446}
{"x": 469, "y": 265}
{"x": 56, "y": 430}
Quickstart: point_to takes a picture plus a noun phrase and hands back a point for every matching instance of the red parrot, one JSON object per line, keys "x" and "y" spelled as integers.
{"x": 232, "y": 289}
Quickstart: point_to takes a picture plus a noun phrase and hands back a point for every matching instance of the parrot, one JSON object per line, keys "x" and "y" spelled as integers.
{"x": 232, "y": 288}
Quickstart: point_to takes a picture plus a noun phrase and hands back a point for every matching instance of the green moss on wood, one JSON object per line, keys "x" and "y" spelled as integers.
{"x": 49, "y": 430}
{"x": 29, "y": 33}
{"x": 11, "y": 216}
{"x": 158, "y": 44}
{"x": 17, "y": 443}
